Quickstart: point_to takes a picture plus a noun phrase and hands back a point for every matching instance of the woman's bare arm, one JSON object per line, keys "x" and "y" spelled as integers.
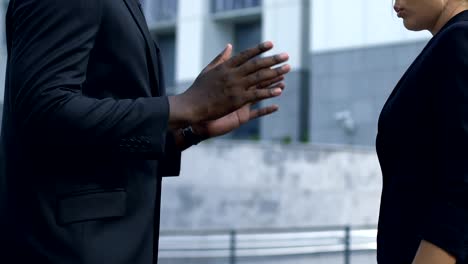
{"x": 429, "y": 253}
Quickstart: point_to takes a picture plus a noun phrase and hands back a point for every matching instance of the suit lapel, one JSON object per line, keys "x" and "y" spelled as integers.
{"x": 137, "y": 15}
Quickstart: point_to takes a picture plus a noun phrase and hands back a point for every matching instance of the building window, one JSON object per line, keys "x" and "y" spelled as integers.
{"x": 229, "y": 5}
{"x": 167, "y": 45}
{"x": 5, "y": 8}
{"x": 247, "y": 35}
{"x": 163, "y": 10}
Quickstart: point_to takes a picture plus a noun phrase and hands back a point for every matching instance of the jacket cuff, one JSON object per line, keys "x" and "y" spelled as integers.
{"x": 149, "y": 140}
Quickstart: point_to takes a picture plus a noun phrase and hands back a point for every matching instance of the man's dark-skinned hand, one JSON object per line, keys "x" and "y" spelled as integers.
{"x": 227, "y": 88}
{"x": 241, "y": 116}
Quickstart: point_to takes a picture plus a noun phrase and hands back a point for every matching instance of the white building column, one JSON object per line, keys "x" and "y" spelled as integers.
{"x": 286, "y": 23}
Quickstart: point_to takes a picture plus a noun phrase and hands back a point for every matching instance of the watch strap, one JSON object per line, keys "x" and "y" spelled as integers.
{"x": 190, "y": 137}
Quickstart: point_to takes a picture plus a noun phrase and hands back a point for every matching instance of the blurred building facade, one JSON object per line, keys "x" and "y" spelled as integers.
{"x": 346, "y": 58}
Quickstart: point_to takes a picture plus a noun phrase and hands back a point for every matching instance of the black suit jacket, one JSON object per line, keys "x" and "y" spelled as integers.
{"x": 85, "y": 134}
{"x": 422, "y": 145}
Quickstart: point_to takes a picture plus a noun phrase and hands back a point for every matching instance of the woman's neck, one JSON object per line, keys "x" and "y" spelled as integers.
{"x": 452, "y": 9}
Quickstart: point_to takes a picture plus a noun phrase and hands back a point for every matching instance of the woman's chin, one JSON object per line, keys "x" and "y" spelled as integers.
{"x": 412, "y": 26}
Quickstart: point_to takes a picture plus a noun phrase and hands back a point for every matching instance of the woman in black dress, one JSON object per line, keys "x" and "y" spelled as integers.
{"x": 422, "y": 143}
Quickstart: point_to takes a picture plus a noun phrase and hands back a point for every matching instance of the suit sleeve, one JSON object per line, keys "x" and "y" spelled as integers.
{"x": 50, "y": 42}
{"x": 169, "y": 165}
{"x": 447, "y": 221}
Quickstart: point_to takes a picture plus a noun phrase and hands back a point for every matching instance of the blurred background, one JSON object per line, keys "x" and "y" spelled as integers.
{"x": 301, "y": 186}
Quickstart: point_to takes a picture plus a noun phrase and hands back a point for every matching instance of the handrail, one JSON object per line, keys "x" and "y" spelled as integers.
{"x": 265, "y": 242}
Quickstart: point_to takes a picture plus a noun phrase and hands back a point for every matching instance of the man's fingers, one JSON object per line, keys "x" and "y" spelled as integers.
{"x": 265, "y": 75}
{"x": 261, "y": 63}
{"x": 257, "y": 95}
{"x": 263, "y": 111}
{"x": 271, "y": 82}
{"x": 248, "y": 54}
{"x": 280, "y": 85}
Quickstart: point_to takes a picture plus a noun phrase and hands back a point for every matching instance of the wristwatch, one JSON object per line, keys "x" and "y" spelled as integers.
{"x": 190, "y": 137}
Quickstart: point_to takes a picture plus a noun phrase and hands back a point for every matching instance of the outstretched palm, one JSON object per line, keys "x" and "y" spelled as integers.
{"x": 242, "y": 115}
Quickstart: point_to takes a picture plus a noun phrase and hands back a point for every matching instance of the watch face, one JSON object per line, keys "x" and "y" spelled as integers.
{"x": 190, "y": 137}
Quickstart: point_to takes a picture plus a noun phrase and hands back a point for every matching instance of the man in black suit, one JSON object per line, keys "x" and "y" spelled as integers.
{"x": 88, "y": 131}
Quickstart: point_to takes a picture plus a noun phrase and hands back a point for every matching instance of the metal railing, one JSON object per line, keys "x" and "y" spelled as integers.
{"x": 229, "y": 5}
{"x": 233, "y": 244}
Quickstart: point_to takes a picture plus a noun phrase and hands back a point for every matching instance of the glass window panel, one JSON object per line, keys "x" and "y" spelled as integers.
{"x": 160, "y": 10}
{"x": 247, "y": 35}
{"x": 164, "y": 10}
{"x": 167, "y": 44}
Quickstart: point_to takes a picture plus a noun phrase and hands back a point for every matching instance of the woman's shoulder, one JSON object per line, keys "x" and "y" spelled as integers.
{"x": 453, "y": 34}
{"x": 449, "y": 45}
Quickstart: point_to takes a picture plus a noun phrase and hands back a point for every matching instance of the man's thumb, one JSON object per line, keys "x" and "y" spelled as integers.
{"x": 222, "y": 57}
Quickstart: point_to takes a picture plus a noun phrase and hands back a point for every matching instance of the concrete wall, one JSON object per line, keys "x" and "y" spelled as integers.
{"x": 357, "y": 81}
{"x": 236, "y": 184}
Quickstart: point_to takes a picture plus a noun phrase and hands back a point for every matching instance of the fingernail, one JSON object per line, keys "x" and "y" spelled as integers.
{"x": 267, "y": 44}
{"x": 284, "y": 56}
{"x": 277, "y": 91}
